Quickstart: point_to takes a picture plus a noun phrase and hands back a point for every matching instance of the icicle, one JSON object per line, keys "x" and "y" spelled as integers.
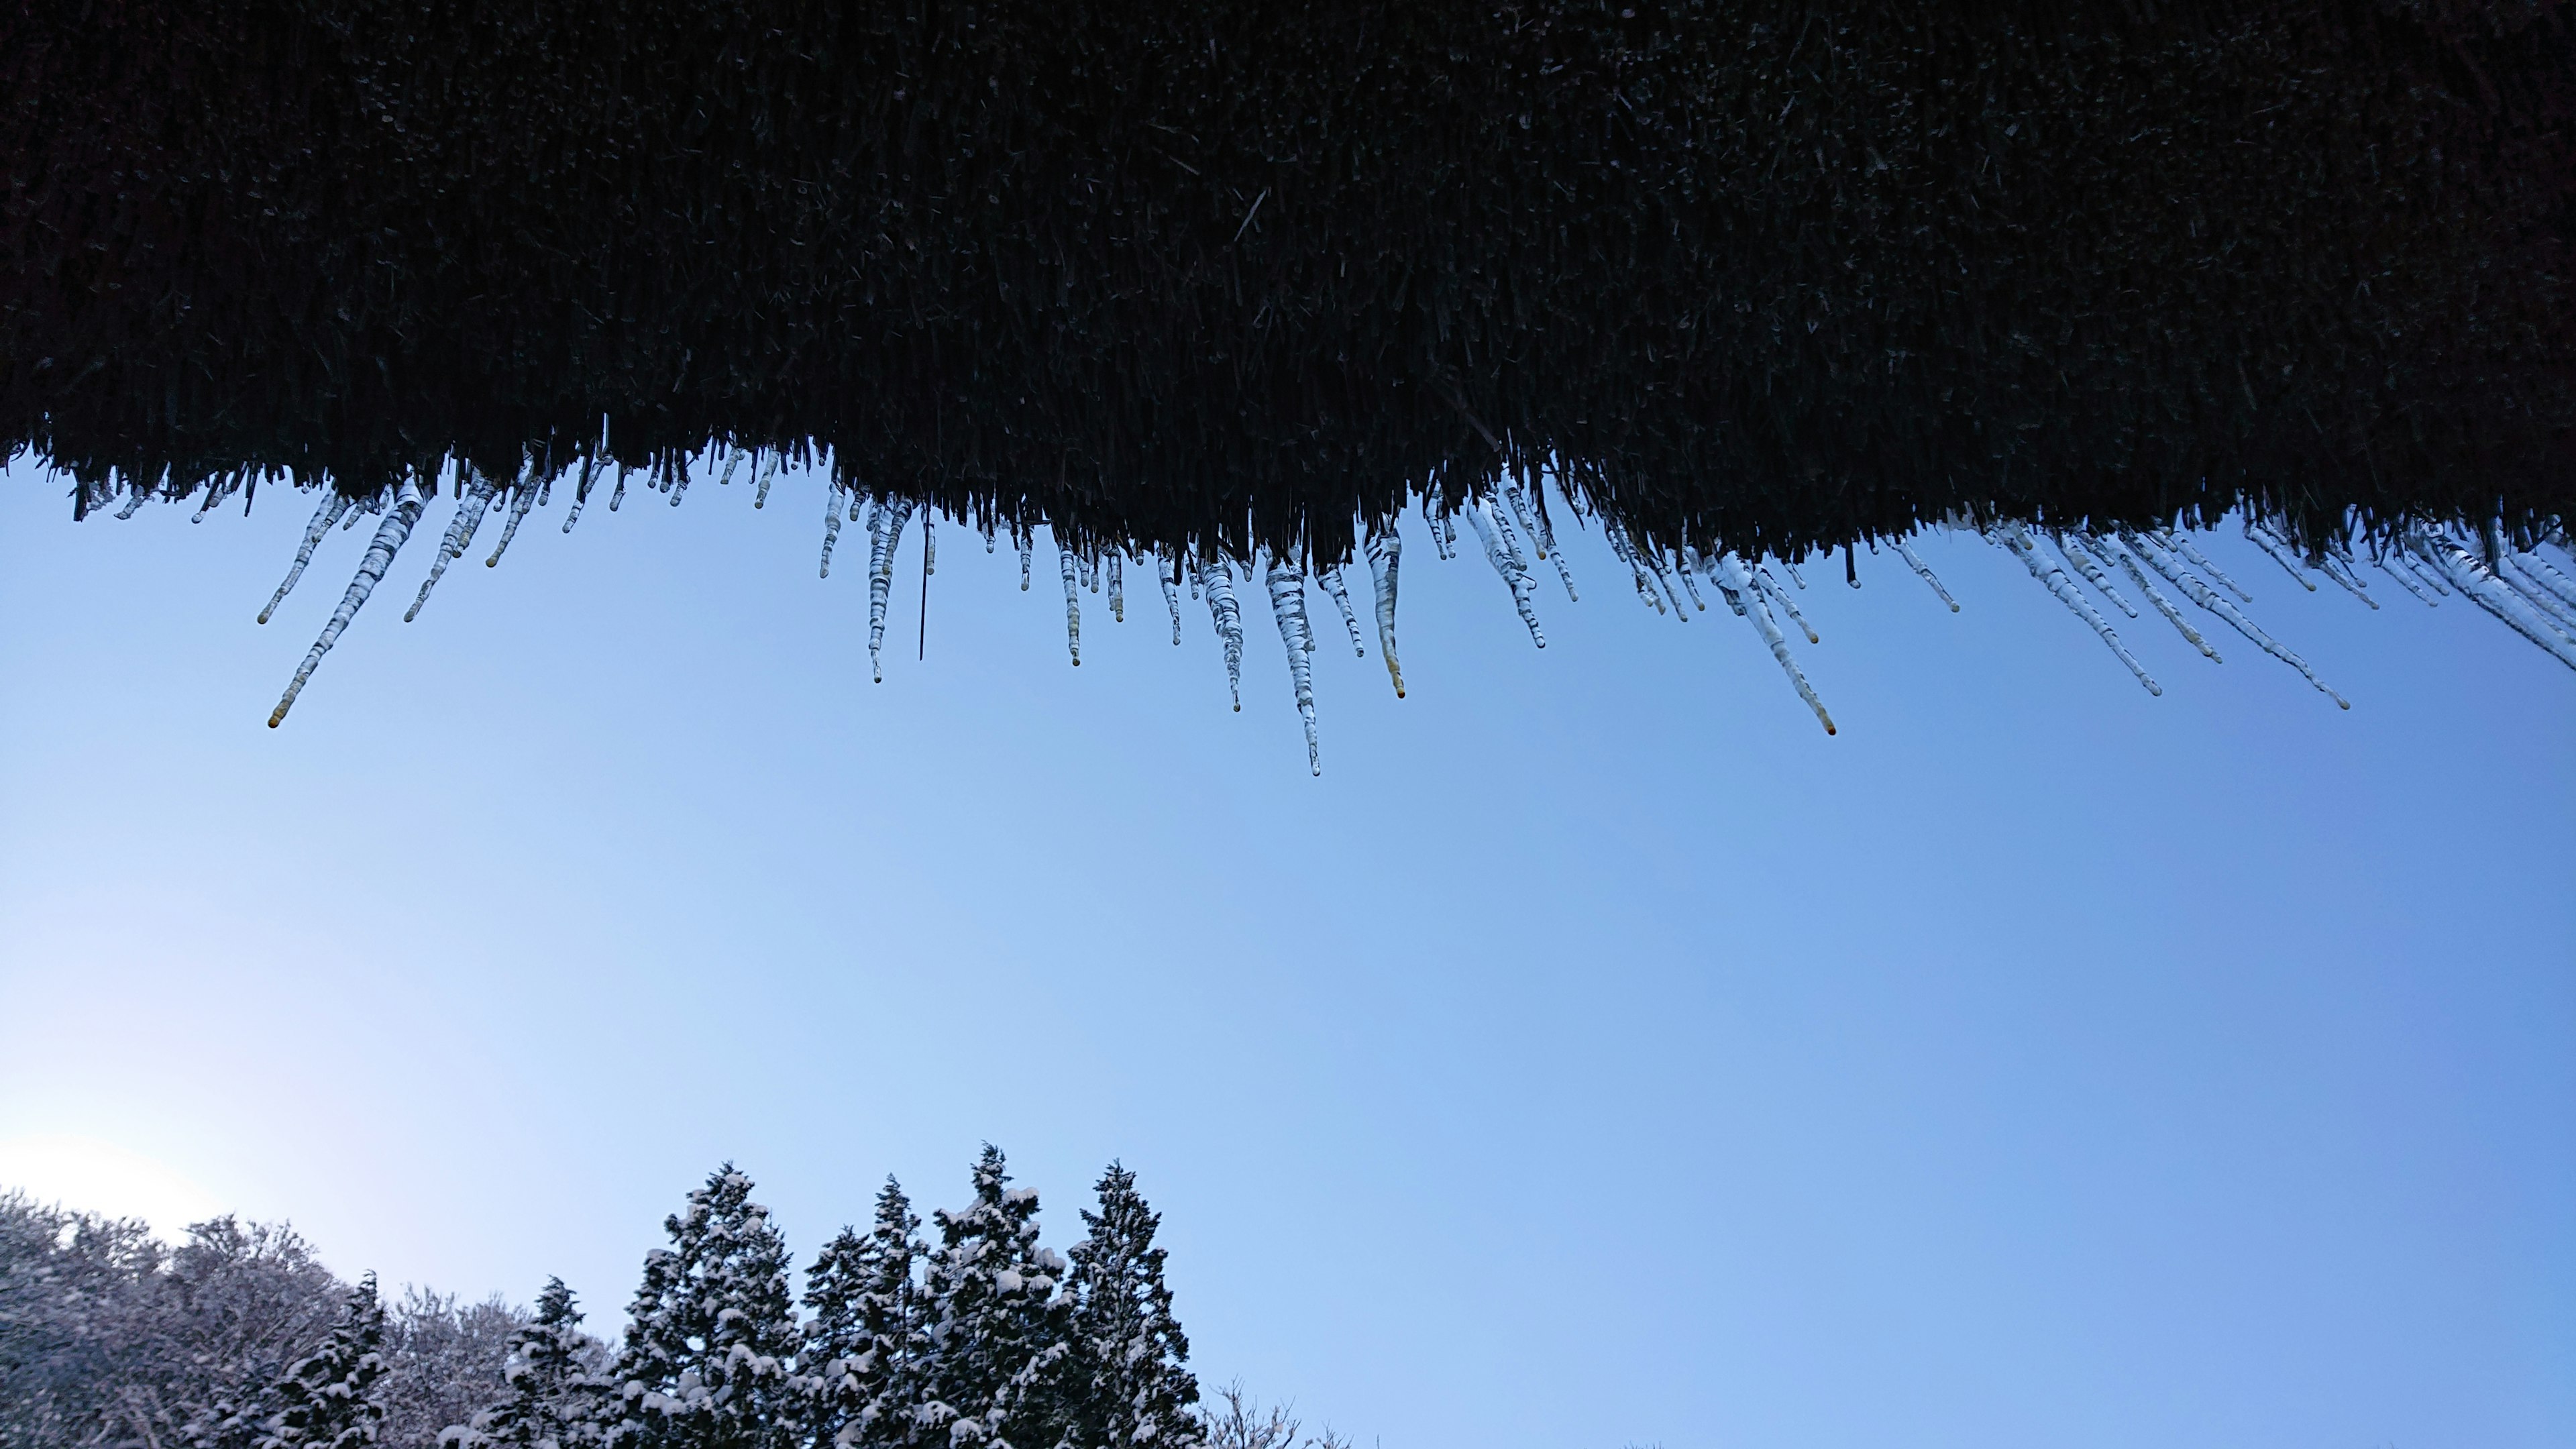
{"x": 1117, "y": 590}
{"x": 2209, "y": 598}
{"x": 2554, "y": 610}
{"x": 679, "y": 483}
{"x": 519, "y": 506}
{"x": 1163, "y": 571}
{"x": 1729, "y": 572}
{"x": 359, "y": 510}
{"x": 1655, "y": 561}
{"x": 2406, "y": 577}
{"x": 1690, "y": 586}
{"x": 733, "y": 456}
{"x": 885, "y": 528}
{"x": 214, "y": 494}
{"x": 1800, "y": 579}
{"x": 133, "y": 501}
{"x": 380, "y": 557}
{"x": 2174, "y": 540}
{"x": 580, "y": 495}
{"x": 760, "y": 499}
{"x": 2053, "y": 578}
{"x": 1341, "y": 591}
{"x": 1228, "y": 616}
{"x": 2344, "y": 578}
{"x": 1707, "y": 565}
{"x": 831, "y": 523}
{"x": 1448, "y": 525}
{"x": 1288, "y": 606}
{"x": 2543, "y": 600}
{"x": 471, "y": 501}
{"x": 2155, "y": 596}
{"x": 1771, "y": 590}
{"x": 2542, "y": 572}
{"x": 619, "y": 495}
{"x": 1923, "y": 571}
{"x": 1520, "y": 514}
{"x": 929, "y": 543}
{"x": 1072, "y": 600}
{"x": 1027, "y": 542}
{"x": 2423, "y": 573}
{"x": 1386, "y": 556}
{"x": 1506, "y": 561}
{"x": 1439, "y": 543}
{"x": 1626, "y": 552}
{"x": 2470, "y": 575}
{"x": 334, "y": 504}
{"x": 2278, "y": 550}
{"x": 2092, "y": 572}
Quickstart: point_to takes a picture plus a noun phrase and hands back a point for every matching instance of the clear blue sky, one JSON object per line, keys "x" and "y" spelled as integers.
{"x": 1597, "y": 1054}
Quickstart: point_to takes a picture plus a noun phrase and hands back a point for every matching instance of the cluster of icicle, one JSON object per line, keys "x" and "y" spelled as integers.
{"x": 2525, "y": 590}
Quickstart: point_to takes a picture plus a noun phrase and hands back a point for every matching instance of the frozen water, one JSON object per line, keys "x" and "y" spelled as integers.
{"x": 2015, "y": 539}
{"x": 334, "y": 504}
{"x": 1507, "y": 562}
{"x": 2144, "y": 546}
{"x": 380, "y": 556}
{"x": 1341, "y": 592}
{"x": 1288, "y": 606}
{"x": 1385, "y": 552}
{"x": 1921, "y": 569}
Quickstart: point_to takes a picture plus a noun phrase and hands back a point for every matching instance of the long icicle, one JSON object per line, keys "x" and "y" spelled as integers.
{"x": 2208, "y": 598}
{"x": 472, "y": 499}
{"x": 2393, "y": 565}
{"x": 380, "y": 557}
{"x": 887, "y": 527}
{"x": 2103, "y": 548}
{"x": 1771, "y": 590}
{"x": 1922, "y": 571}
{"x": 1218, "y": 581}
{"x": 1340, "y": 589}
{"x": 2470, "y": 575}
{"x": 1728, "y": 570}
{"x": 334, "y": 504}
{"x": 2053, "y": 578}
{"x": 1028, "y": 542}
{"x": 760, "y": 497}
{"x": 519, "y": 506}
{"x": 1386, "y": 558}
{"x": 1164, "y": 568}
{"x": 1072, "y": 599}
{"x": 1288, "y": 606}
{"x": 1117, "y": 589}
{"x": 2175, "y": 540}
{"x": 2092, "y": 573}
{"x": 2548, "y": 576}
{"x": 2543, "y": 600}
{"x": 1626, "y": 552}
{"x": 1506, "y": 561}
{"x": 2278, "y": 549}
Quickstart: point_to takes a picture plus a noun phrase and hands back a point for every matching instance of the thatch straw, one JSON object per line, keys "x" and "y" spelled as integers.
{"x": 1209, "y": 275}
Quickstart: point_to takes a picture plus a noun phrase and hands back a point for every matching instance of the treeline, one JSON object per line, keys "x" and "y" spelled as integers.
{"x": 972, "y": 1335}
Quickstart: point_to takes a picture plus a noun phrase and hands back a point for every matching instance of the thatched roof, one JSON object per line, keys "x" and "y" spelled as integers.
{"x": 1210, "y": 274}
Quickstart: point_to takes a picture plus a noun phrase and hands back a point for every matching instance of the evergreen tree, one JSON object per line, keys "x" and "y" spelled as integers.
{"x": 998, "y": 1333}
{"x": 330, "y": 1396}
{"x": 866, "y": 1330}
{"x": 1133, "y": 1386}
{"x": 553, "y": 1400}
{"x": 711, "y": 1350}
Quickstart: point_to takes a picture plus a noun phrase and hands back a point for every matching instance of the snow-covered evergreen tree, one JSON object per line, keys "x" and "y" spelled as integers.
{"x": 554, "y": 1399}
{"x": 1133, "y": 1385}
{"x": 329, "y": 1397}
{"x": 867, "y": 1327}
{"x": 998, "y": 1332}
{"x": 711, "y": 1349}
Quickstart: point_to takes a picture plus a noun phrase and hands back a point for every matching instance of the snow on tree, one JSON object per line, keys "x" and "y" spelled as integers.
{"x": 443, "y": 1361}
{"x": 555, "y": 1392}
{"x": 864, "y": 1338}
{"x": 1132, "y": 1359}
{"x": 329, "y": 1397}
{"x": 712, "y": 1344}
{"x": 999, "y": 1334}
